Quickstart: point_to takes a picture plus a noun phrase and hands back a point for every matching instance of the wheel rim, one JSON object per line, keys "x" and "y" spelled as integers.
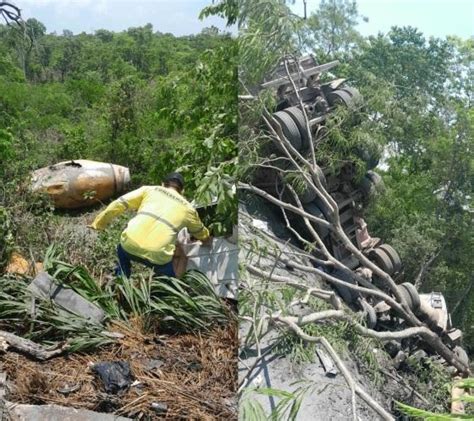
{"x": 340, "y": 97}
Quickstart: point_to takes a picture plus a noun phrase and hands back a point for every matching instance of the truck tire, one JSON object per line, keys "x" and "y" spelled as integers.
{"x": 461, "y": 354}
{"x": 289, "y": 128}
{"x": 353, "y": 92}
{"x": 382, "y": 260}
{"x": 313, "y": 209}
{"x": 347, "y": 294}
{"x": 409, "y": 292}
{"x": 298, "y": 117}
{"x": 393, "y": 255}
{"x": 340, "y": 97}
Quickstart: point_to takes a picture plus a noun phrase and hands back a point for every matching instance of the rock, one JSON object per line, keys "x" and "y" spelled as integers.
{"x": 159, "y": 408}
{"x": 399, "y": 358}
{"x": 20, "y": 412}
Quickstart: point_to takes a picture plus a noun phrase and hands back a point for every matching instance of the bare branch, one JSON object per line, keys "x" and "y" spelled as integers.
{"x": 31, "y": 348}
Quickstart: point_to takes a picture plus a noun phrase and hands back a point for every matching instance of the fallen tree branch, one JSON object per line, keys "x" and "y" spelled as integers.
{"x": 425, "y": 333}
{"x": 315, "y": 184}
{"x": 275, "y": 201}
{"x": 31, "y": 348}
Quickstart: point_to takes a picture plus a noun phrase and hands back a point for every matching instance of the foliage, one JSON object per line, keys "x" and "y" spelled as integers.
{"x": 49, "y": 324}
{"x": 287, "y": 408}
{"x": 6, "y": 237}
{"x": 228, "y": 9}
{"x": 431, "y": 416}
{"x": 186, "y": 304}
{"x": 150, "y": 101}
{"x": 330, "y": 30}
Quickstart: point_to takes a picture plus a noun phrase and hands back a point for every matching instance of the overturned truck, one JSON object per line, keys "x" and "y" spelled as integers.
{"x": 298, "y": 86}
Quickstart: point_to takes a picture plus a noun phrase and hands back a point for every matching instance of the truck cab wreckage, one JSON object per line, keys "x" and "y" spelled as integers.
{"x": 297, "y": 125}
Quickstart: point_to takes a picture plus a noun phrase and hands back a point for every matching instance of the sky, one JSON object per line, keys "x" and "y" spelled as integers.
{"x": 437, "y": 18}
{"x": 180, "y": 17}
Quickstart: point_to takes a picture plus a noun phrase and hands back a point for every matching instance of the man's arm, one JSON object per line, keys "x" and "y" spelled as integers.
{"x": 196, "y": 228}
{"x": 130, "y": 200}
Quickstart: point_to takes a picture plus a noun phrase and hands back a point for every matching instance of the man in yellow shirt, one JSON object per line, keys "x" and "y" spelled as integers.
{"x": 150, "y": 237}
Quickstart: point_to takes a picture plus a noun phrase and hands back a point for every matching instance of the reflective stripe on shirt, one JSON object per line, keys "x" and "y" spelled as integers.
{"x": 160, "y": 219}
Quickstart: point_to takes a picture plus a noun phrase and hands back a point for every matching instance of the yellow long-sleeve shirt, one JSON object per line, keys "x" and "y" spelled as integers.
{"x": 161, "y": 213}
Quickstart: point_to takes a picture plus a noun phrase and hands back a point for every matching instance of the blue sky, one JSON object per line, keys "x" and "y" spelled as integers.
{"x": 437, "y": 18}
{"x": 180, "y": 17}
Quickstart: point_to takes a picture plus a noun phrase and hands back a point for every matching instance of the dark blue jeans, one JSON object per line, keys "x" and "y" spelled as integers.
{"x": 125, "y": 260}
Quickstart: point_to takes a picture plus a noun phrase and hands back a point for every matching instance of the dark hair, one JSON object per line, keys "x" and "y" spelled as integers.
{"x": 174, "y": 178}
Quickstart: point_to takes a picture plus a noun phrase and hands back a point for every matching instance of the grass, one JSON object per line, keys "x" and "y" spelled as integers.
{"x": 186, "y": 305}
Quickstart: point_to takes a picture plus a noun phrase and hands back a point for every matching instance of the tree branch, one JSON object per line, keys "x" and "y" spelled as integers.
{"x": 31, "y": 348}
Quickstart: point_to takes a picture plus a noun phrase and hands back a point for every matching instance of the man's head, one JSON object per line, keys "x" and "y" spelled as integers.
{"x": 174, "y": 180}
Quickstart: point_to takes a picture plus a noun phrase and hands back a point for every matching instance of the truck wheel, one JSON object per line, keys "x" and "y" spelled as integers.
{"x": 393, "y": 255}
{"x": 290, "y": 129}
{"x": 410, "y": 294}
{"x": 461, "y": 354}
{"x": 340, "y": 97}
{"x": 347, "y": 294}
{"x": 298, "y": 117}
{"x": 313, "y": 209}
{"x": 353, "y": 92}
{"x": 381, "y": 259}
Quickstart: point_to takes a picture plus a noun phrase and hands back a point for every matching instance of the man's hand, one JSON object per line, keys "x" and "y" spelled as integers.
{"x": 207, "y": 242}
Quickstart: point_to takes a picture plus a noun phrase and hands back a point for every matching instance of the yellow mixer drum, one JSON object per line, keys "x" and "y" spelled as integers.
{"x": 81, "y": 183}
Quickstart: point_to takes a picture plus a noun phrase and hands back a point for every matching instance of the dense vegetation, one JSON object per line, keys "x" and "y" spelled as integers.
{"x": 143, "y": 99}
{"x": 152, "y": 102}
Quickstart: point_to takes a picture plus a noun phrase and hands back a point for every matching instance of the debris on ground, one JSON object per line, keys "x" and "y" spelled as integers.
{"x": 115, "y": 375}
{"x": 187, "y": 393}
{"x": 44, "y": 286}
{"x": 18, "y": 265}
{"x": 22, "y": 412}
{"x": 116, "y": 350}
{"x": 219, "y": 262}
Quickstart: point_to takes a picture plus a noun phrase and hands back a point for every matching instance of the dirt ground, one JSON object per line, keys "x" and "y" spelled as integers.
{"x": 193, "y": 376}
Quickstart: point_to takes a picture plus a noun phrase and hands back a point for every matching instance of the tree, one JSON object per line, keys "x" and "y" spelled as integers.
{"x": 331, "y": 29}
